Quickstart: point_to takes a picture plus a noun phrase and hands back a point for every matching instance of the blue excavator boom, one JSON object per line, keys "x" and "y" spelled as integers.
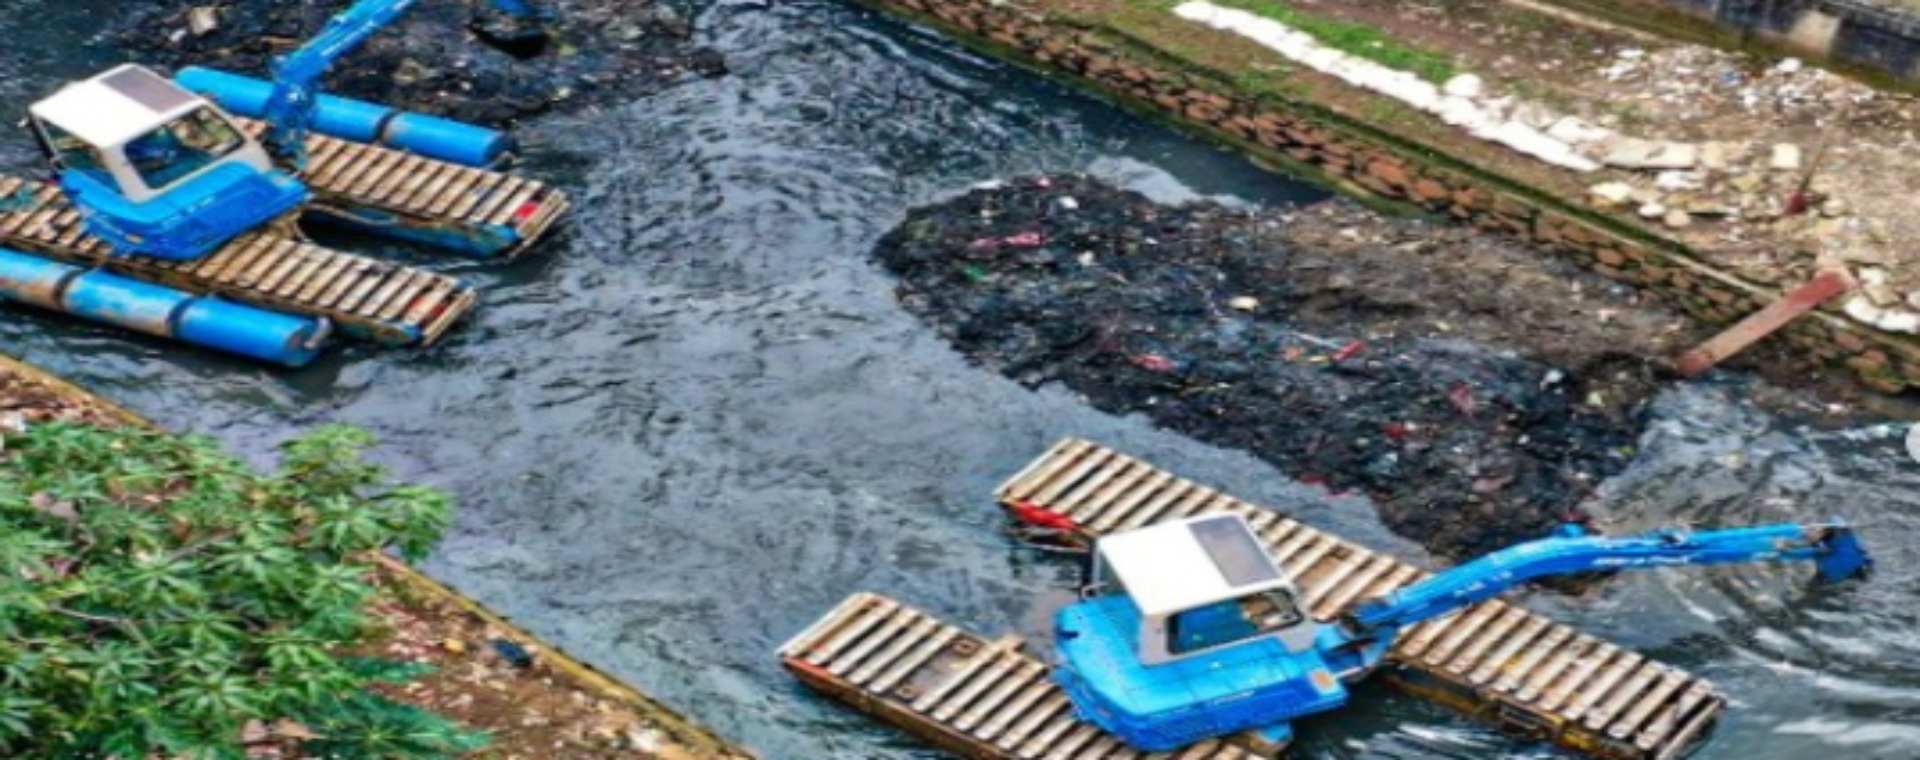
{"x": 296, "y": 76}
{"x": 1367, "y": 630}
{"x": 290, "y": 110}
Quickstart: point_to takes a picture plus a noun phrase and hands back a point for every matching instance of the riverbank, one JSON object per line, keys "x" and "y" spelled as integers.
{"x": 532, "y": 699}
{"x": 1722, "y": 261}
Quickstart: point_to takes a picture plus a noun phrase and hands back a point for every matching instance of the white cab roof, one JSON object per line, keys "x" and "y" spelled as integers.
{"x": 116, "y": 107}
{"x": 1179, "y": 565}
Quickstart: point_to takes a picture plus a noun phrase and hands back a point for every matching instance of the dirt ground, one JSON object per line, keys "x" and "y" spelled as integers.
{"x": 534, "y": 712}
{"x": 1475, "y": 391}
{"x": 439, "y": 58}
{"x": 25, "y": 399}
{"x": 1859, "y": 145}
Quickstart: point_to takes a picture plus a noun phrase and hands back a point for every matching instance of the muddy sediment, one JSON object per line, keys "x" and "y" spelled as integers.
{"x": 1314, "y": 338}
{"x": 455, "y": 58}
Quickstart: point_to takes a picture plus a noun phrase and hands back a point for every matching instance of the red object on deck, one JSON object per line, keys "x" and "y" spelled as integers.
{"x": 1822, "y": 288}
{"x": 1041, "y": 517}
{"x": 526, "y": 211}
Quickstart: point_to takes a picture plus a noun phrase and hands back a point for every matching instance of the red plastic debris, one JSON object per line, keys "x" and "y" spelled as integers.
{"x": 1152, "y": 362}
{"x": 1026, "y": 240}
{"x": 1347, "y": 351}
{"x": 1021, "y": 240}
{"x": 1462, "y": 397}
{"x": 1397, "y": 431}
{"x": 1799, "y": 203}
{"x": 1041, "y": 517}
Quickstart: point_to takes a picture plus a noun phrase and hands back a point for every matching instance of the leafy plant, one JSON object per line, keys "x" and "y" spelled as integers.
{"x": 156, "y": 594}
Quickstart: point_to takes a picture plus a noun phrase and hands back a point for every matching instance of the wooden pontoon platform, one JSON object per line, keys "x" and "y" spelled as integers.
{"x": 375, "y": 299}
{"x": 479, "y": 211}
{"x": 972, "y": 697}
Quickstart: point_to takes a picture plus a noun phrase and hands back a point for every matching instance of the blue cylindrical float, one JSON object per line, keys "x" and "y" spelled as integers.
{"x": 344, "y": 118}
{"x": 446, "y": 139}
{"x": 357, "y": 120}
{"x": 34, "y": 280}
{"x": 248, "y": 331}
{"x": 156, "y": 310}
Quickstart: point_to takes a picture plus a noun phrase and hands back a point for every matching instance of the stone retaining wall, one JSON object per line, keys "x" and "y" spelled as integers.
{"x": 1355, "y": 156}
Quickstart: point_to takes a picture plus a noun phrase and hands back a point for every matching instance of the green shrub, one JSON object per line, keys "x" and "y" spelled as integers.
{"x": 157, "y": 594}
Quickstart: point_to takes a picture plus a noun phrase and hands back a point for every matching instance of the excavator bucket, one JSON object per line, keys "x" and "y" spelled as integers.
{"x": 1845, "y": 557}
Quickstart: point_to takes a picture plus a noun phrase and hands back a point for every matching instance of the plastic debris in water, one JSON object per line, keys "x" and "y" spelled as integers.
{"x": 514, "y": 654}
{"x": 1348, "y": 351}
{"x": 1913, "y": 442}
{"x": 1462, "y": 397}
{"x": 1152, "y": 362}
{"x": 1021, "y": 240}
{"x": 1026, "y": 240}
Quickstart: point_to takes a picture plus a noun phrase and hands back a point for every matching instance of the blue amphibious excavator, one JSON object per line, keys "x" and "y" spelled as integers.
{"x": 161, "y": 169}
{"x": 157, "y": 170}
{"x": 1189, "y": 630}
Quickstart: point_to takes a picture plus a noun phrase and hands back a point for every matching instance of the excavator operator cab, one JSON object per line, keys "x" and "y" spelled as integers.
{"x": 1190, "y": 629}
{"x": 1198, "y": 585}
{"x": 156, "y": 169}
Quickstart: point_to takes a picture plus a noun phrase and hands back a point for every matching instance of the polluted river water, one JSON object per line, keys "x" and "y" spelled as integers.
{"x": 700, "y": 418}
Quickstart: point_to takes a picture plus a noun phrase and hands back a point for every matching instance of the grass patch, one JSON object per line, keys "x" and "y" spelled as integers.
{"x": 1349, "y": 37}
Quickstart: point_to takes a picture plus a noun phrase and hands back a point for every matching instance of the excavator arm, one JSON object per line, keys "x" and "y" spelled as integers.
{"x": 1366, "y": 631}
{"x": 290, "y": 110}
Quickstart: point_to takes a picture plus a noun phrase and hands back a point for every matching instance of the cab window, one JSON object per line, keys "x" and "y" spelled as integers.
{"x": 1233, "y": 620}
{"x": 73, "y": 153}
{"x": 187, "y": 145}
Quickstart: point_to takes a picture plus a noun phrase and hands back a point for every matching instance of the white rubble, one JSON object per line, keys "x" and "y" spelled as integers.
{"x": 1635, "y": 153}
{"x": 1677, "y": 180}
{"x": 1464, "y": 86}
{"x": 1786, "y": 157}
{"x": 1455, "y": 102}
{"x": 1892, "y": 320}
{"x": 1573, "y": 131}
{"x": 1612, "y": 193}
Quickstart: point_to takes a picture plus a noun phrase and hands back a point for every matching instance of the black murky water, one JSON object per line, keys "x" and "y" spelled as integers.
{"x": 701, "y": 419}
